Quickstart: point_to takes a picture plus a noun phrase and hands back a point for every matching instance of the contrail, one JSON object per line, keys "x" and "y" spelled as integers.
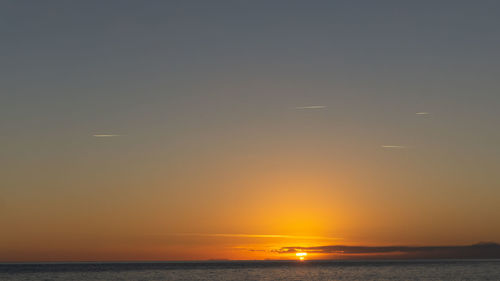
{"x": 105, "y": 135}
{"x": 393, "y": 146}
{"x": 311, "y": 107}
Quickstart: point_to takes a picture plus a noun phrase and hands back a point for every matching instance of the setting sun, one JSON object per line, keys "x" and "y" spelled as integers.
{"x": 301, "y": 255}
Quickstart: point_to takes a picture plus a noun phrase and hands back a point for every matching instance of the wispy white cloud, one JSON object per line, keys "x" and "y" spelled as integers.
{"x": 311, "y": 107}
{"x": 423, "y": 113}
{"x": 105, "y": 135}
{"x": 394, "y": 146}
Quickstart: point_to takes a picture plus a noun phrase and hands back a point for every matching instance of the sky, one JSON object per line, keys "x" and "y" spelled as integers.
{"x": 193, "y": 130}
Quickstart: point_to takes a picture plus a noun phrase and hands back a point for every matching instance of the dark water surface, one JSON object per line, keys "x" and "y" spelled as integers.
{"x": 442, "y": 270}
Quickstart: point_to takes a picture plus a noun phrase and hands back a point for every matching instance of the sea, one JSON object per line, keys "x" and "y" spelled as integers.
{"x": 417, "y": 270}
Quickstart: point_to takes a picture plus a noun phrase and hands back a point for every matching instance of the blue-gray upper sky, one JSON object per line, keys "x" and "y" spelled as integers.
{"x": 94, "y": 61}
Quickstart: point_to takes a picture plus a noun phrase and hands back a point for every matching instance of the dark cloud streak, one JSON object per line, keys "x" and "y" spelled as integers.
{"x": 475, "y": 251}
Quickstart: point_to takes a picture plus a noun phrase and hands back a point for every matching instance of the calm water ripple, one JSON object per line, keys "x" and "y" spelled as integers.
{"x": 268, "y": 270}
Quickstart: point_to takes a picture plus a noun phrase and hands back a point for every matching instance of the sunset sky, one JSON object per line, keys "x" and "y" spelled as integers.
{"x": 193, "y": 130}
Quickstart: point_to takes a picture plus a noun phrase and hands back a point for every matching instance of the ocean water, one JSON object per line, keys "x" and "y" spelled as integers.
{"x": 441, "y": 270}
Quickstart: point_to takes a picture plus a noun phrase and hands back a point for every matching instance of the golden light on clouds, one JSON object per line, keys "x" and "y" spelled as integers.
{"x": 238, "y": 235}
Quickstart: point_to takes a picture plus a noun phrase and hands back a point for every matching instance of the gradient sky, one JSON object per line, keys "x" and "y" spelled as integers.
{"x": 173, "y": 130}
